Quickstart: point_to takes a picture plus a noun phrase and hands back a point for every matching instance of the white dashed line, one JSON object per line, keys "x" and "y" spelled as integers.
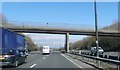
{"x": 71, "y": 61}
{"x": 33, "y": 65}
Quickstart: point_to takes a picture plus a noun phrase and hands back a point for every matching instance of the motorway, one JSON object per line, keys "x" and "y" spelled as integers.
{"x": 54, "y": 60}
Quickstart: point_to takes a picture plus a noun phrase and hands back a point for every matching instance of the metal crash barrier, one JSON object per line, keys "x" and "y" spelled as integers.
{"x": 99, "y": 60}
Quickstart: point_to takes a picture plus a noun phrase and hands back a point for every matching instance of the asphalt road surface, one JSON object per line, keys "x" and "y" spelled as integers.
{"x": 53, "y": 60}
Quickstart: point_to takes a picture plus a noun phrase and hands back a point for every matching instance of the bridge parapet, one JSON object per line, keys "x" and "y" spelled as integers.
{"x": 61, "y": 27}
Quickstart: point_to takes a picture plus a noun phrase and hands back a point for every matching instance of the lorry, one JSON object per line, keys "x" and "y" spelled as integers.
{"x": 45, "y": 50}
{"x": 12, "y": 48}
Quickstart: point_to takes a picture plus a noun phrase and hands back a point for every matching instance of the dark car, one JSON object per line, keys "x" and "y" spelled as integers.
{"x": 63, "y": 51}
{"x": 12, "y": 57}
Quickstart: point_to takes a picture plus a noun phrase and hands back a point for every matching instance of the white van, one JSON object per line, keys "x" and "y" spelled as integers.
{"x": 94, "y": 50}
{"x": 46, "y": 50}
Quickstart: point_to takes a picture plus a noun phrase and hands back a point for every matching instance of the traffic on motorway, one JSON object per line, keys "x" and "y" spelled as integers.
{"x": 14, "y": 54}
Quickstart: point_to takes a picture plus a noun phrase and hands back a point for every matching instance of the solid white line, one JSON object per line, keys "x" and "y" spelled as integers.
{"x": 71, "y": 61}
{"x": 33, "y": 65}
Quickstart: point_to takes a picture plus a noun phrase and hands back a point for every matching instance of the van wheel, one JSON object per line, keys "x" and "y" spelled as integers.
{"x": 15, "y": 64}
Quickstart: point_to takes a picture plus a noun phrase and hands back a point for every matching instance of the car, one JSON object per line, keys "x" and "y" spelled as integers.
{"x": 62, "y": 51}
{"x": 94, "y": 50}
{"x": 12, "y": 57}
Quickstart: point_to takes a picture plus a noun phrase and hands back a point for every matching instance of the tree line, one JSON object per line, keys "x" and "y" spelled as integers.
{"x": 107, "y": 43}
{"x": 30, "y": 44}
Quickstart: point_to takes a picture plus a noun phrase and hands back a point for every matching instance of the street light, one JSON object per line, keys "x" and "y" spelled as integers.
{"x": 96, "y": 28}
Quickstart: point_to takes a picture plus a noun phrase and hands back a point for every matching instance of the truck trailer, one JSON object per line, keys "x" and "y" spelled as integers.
{"x": 12, "y": 48}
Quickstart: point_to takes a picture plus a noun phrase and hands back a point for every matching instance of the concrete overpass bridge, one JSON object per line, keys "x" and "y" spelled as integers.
{"x": 61, "y": 30}
{"x": 64, "y": 31}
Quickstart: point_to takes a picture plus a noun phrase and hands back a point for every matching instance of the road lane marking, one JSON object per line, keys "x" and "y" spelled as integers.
{"x": 71, "y": 61}
{"x": 33, "y": 65}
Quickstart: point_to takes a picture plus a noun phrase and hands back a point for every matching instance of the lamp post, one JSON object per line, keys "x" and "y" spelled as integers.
{"x": 96, "y": 28}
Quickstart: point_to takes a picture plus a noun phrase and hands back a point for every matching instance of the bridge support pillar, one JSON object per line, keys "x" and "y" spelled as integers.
{"x": 67, "y": 43}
